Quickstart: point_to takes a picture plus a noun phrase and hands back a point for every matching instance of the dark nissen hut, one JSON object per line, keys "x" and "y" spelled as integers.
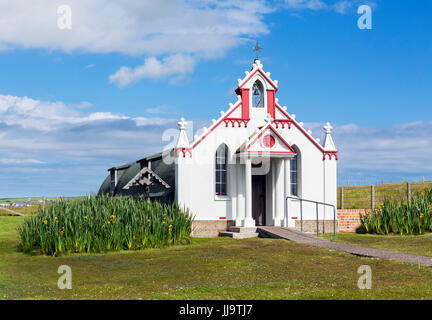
{"x": 151, "y": 177}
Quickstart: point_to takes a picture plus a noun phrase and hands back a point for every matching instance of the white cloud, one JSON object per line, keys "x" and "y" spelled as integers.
{"x": 134, "y": 27}
{"x": 339, "y": 6}
{"x": 164, "y": 31}
{"x": 306, "y": 4}
{"x": 404, "y": 148}
{"x": 177, "y": 64}
{"x": 45, "y": 130}
{"x": 46, "y": 115}
{"x": 342, "y": 6}
{"x": 89, "y": 66}
{"x": 45, "y": 136}
{"x": 82, "y": 105}
{"x": 19, "y": 161}
{"x": 163, "y": 109}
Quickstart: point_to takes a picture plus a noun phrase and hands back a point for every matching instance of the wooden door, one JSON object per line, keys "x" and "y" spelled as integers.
{"x": 258, "y": 199}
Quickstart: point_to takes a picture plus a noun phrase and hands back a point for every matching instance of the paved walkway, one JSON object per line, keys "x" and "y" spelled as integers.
{"x": 11, "y": 211}
{"x": 293, "y": 235}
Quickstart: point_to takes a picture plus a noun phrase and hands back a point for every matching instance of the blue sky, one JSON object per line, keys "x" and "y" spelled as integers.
{"x": 76, "y": 102}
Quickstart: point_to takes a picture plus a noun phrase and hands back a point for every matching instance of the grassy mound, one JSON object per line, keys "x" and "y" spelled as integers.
{"x": 103, "y": 223}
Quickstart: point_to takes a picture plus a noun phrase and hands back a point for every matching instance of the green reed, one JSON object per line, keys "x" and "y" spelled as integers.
{"x": 104, "y": 223}
{"x": 401, "y": 217}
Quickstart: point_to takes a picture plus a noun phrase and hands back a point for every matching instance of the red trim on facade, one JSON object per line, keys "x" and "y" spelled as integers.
{"x": 239, "y": 121}
{"x": 275, "y": 132}
{"x": 307, "y": 135}
{"x": 184, "y": 151}
{"x": 222, "y": 218}
{"x": 245, "y": 103}
{"x": 272, "y": 152}
{"x": 283, "y": 123}
{"x": 271, "y": 103}
{"x": 263, "y": 74}
{"x": 215, "y": 125}
{"x": 330, "y": 154}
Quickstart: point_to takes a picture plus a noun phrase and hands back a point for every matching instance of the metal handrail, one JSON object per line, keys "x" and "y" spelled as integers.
{"x": 317, "y": 220}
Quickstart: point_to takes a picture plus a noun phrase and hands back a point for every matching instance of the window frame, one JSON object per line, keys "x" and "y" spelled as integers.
{"x": 261, "y": 89}
{"x": 294, "y": 185}
{"x": 221, "y": 183}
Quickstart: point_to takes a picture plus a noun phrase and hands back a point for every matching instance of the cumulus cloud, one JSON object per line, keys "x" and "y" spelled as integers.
{"x": 306, "y": 4}
{"x": 172, "y": 34}
{"x": 62, "y": 147}
{"x": 163, "y": 109}
{"x": 46, "y": 115}
{"x": 55, "y": 148}
{"x": 132, "y": 26}
{"x": 20, "y": 161}
{"x": 177, "y": 64}
{"x": 339, "y": 6}
{"x": 405, "y": 148}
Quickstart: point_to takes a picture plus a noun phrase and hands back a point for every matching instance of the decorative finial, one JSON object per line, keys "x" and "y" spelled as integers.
{"x": 182, "y": 141}
{"x": 182, "y": 124}
{"x": 268, "y": 118}
{"x": 328, "y": 128}
{"x": 328, "y": 140}
{"x": 257, "y": 48}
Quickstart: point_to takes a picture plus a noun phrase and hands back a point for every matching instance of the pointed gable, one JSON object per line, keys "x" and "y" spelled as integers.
{"x": 267, "y": 140}
{"x": 245, "y": 89}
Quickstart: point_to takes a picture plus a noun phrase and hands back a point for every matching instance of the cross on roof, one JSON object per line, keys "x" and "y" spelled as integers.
{"x": 182, "y": 124}
{"x": 257, "y": 48}
{"x": 328, "y": 128}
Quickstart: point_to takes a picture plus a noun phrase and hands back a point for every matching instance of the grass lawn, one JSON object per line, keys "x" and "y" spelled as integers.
{"x": 217, "y": 268}
{"x": 415, "y": 244}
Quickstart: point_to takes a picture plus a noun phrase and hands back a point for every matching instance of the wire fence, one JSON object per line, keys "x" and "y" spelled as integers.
{"x": 370, "y": 196}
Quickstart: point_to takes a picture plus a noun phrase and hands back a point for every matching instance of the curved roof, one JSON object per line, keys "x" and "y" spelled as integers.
{"x": 127, "y": 172}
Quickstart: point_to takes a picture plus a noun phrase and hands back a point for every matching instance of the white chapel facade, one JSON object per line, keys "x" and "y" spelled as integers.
{"x": 250, "y": 165}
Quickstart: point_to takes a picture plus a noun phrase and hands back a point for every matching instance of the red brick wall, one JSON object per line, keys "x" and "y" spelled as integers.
{"x": 349, "y": 219}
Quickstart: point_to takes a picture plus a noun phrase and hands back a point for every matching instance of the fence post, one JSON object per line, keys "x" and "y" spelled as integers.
{"x": 408, "y": 192}
{"x": 43, "y": 204}
{"x": 342, "y": 197}
{"x": 372, "y": 197}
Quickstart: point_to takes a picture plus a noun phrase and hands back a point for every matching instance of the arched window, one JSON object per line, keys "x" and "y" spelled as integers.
{"x": 221, "y": 170}
{"x": 294, "y": 176}
{"x": 258, "y": 95}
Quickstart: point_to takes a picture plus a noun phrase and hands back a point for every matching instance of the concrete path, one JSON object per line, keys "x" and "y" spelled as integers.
{"x": 11, "y": 211}
{"x": 293, "y": 235}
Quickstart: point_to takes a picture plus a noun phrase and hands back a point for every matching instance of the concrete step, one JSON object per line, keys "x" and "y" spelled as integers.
{"x": 238, "y": 235}
{"x": 243, "y": 229}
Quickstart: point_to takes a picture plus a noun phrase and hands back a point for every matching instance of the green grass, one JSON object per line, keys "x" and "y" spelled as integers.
{"x": 359, "y": 197}
{"x": 218, "y": 268}
{"x": 414, "y": 244}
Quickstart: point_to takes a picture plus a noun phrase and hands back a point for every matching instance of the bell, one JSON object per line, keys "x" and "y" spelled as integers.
{"x": 255, "y": 88}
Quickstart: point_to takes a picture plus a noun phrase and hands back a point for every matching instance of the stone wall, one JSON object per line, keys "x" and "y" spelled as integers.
{"x": 324, "y": 226}
{"x": 349, "y": 219}
{"x": 210, "y": 228}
